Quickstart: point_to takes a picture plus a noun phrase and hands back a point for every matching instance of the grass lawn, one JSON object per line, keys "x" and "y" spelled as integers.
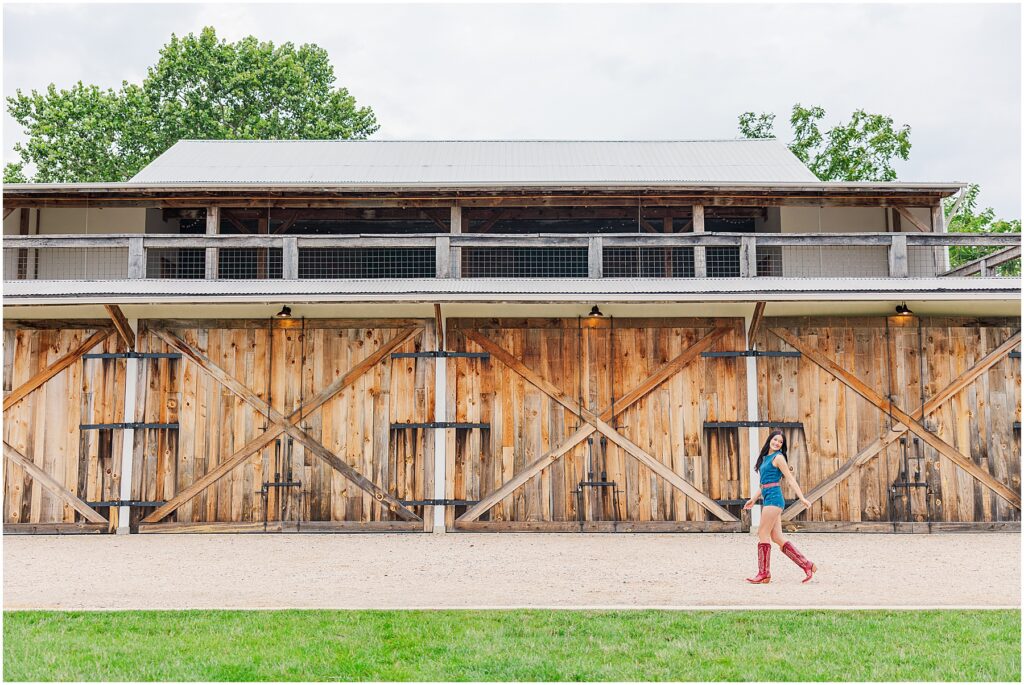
{"x": 512, "y": 645}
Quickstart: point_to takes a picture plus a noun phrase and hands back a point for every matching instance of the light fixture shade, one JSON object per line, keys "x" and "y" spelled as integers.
{"x": 594, "y": 311}
{"x": 285, "y": 312}
{"x": 902, "y": 309}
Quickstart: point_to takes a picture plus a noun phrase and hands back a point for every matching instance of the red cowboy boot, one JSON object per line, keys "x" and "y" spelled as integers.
{"x": 800, "y": 560}
{"x": 764, "y": 553}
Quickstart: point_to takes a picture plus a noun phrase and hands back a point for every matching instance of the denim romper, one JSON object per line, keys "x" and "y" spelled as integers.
{"x": 772, "y": 496}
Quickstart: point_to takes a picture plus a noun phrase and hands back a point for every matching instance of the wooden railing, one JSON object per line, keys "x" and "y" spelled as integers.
{"x": 688, "y": 255}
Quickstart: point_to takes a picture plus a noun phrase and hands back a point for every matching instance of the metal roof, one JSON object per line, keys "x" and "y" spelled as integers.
{"x": 517, "y": 290}
{"x": 475, "y": 163}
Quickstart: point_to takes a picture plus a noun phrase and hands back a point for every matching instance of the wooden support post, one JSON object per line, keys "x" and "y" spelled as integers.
{"x": 136, "y": 258}
{"x": 443, "y": 257}
{"x": 898, "y": 267}
{"x": 939, "y": 226}
{"x": 753, "y": 321}
{"x": 748, "y": 257}
{"x": 440, "y": 436}
{"x": 128, "y": 439}
{"x": 212, "y": 228}
{"x": 667, "y": 252}
{"x": 595, "y": 257}
{"x": 290, "y": 259}
{"x": 23, "y": 220}
{"x": 456, "y": 252}
{"x": 700, "y": 268}
{"x": 124, "y": 328}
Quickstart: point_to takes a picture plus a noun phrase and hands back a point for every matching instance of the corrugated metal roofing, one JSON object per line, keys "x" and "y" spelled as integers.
{"x": 472, "y": 163}
{"x": 518, "y": 290}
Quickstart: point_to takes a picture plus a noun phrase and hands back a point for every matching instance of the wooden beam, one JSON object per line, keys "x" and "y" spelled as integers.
{"x": 124, "y": 329}
{"x": 915, "y": 222}
{"x": 242, "y": 228}
{"x": 288, "y": 223}
{"x": 495, "y": 217}
{"x": 647, "y": 226}
{"x": 437, "y": 222}
{"x": 596, "y": 423}
{"x": 898, "y": 430}
{"x": 53, "y": 369}
{"x": 439, "y": 322}
{"x": 7, "y": 212}
{"x": 755, "y": 322}
{"x": 858, "y": 386}
{"x": 47, "y": 481}
{"x": 280, "y": 425}
{"x": 700, "y": 265}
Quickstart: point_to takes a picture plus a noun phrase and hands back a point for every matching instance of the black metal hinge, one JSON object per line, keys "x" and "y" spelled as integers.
{"x": 438, "y": 502}
{"x": 123, "y": 426}
{"x": 753, "y": 424}
{"x": 750, "y": 353}
{"x": 125, "y": 503}
{"x": 1014, "y": 354}
{"x": 133, "y": 355}
{"x": 441, "y": 353}
{"x": 441, "y": 424}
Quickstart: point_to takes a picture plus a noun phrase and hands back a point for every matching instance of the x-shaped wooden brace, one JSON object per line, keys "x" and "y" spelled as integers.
{"x": 27, "y": 388}
{"x": 597, "y": 423}
{"x": 282, "y": 424}
{"x": 907, "y": 422}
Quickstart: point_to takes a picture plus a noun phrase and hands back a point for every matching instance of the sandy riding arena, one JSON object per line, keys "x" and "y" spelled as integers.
{"x": 508, "y": 570}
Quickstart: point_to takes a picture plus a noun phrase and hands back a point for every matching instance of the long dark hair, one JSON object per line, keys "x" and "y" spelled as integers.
{"x": 767, "y": 448}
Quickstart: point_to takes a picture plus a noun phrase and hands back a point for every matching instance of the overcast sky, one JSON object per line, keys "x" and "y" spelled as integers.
{"x": 952, "y": 72}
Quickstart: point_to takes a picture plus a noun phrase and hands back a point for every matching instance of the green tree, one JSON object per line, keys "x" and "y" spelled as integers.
{"x": 200, "y": 88}
{"x": 969, "y": 220}
{"x": 862, "y": 149}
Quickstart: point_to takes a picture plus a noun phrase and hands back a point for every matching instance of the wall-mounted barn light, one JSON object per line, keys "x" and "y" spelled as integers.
{"x": 903, "y": 310}
{"x": 285, "y": 312}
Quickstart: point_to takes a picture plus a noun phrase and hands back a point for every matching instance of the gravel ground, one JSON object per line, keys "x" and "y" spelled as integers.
{"x": 483, "y": 570}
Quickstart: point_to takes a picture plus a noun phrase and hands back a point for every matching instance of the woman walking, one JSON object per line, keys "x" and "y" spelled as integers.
{"x": 772, "y": 467}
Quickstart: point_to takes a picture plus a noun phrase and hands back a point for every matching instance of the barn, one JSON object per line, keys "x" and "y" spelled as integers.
{"x": 459, "y": 336}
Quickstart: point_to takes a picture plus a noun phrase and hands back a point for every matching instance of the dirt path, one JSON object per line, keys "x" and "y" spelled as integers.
{"x": 486, "y": 570}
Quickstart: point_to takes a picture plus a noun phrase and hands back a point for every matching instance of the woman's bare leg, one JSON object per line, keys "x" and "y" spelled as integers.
{"x": 777, "y": 537}
{"x": 770, "y": 517}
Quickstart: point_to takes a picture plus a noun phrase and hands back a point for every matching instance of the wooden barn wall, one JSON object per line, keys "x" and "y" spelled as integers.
{"x": 214, "y": 423}
{"x": 596, "y": 363}
{"x": 912, "y": 359}
{"x": 45, "y": 425}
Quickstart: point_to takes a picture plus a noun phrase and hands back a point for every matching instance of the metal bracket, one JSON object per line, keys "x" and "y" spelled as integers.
{"x": 441, "y": 424}
{"x": 123, "y": 426}
{"x": 1014, "y": 354}
{"x": 438, "y": 502}
{"x": 133, "y": 355}
{"x": 126, "y": 503}
{"x": 441, "y": 353}
{"x": 753, "y": 424}
{"x": 751, "y": 353}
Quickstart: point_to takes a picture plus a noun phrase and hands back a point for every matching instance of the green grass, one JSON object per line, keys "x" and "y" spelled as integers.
{"x": 512, "y": 645}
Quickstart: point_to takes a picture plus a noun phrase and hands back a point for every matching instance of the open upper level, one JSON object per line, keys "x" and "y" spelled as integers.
{"x": 672, "y": 216}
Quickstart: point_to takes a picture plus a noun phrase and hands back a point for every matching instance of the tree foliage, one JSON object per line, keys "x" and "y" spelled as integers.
{"x": 862, "y": 149}
{"x": 199, "y": 88}
{"x": 969, "y": 220}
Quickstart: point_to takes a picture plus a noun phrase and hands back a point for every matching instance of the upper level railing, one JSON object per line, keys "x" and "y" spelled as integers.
{"x": 687, "y": 255}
